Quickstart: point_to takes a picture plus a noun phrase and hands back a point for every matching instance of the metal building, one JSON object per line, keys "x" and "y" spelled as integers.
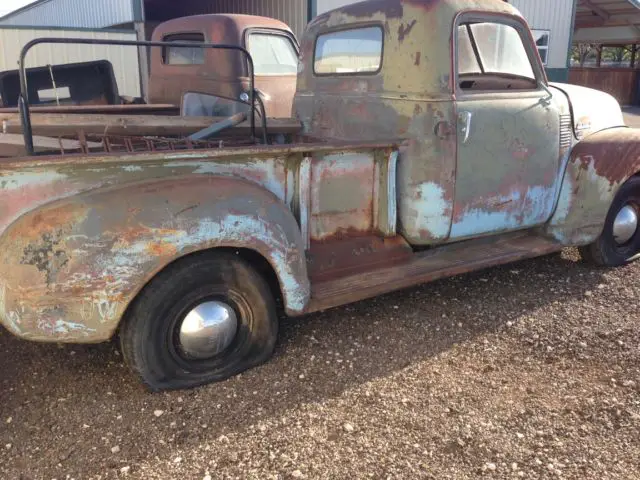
{"x": 145, "y": 14}
{"x": 138, "y": 17}
{"x": 124, "y": 60}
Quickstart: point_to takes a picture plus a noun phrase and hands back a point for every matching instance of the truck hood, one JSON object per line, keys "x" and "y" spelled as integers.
{"x": 592, "y": 110}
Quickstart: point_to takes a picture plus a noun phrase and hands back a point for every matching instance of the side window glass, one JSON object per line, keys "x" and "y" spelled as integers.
{"x": 183, "y": 55}
{"x": 272, "y": 54}
{"x": 492, "y": 56}
{"x": 348, "y": 52}
{"x": 467, "y": 61}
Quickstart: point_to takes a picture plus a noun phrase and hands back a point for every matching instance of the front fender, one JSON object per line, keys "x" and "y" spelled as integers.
{"x": 597, "y": 168}
{"x": 71, "y": 268}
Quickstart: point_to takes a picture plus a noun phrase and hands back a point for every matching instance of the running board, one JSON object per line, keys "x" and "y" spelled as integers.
{"x": 426, "y": 266}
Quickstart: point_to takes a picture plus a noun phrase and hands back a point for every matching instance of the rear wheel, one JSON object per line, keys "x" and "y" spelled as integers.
{"x": 619, "y": 242}
{"x": 205, "y": 318}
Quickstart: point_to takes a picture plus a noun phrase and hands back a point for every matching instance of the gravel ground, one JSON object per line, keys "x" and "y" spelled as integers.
{"x": 525, "y": 371}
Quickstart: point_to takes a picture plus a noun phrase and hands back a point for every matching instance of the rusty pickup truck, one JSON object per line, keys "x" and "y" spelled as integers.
{"x": 430, "y": 144}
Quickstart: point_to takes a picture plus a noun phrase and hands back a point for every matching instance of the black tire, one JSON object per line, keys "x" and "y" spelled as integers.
{"x": 605, "y": 251}
{"x": 148, "y": 333}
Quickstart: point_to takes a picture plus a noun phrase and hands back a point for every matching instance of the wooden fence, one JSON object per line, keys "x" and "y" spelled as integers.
{"x": 619, "y": 82}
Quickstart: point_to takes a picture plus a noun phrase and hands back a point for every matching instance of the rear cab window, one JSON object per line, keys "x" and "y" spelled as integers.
{"x": 273, "y": 53}
{"x": 493, "y": 56}
{"x": 183, "y": 55}
{"x": 356, "y": 51}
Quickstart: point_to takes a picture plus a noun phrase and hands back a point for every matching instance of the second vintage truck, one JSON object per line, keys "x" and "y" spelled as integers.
{"x": 429, "y": 144}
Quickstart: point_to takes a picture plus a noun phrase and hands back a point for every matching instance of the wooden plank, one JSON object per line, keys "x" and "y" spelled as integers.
{"x": 129, "y": 109}
{"x": 12, "y": 145}
{"x": 54, "y": 125}
{"x": 618, "y": 82}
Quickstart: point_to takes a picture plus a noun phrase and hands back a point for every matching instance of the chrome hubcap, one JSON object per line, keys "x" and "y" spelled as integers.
{"x": 208, "y": 330}
{"x": 625, "y": 224}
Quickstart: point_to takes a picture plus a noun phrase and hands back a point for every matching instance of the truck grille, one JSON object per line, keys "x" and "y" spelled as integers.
{"x": 566, "y": 132}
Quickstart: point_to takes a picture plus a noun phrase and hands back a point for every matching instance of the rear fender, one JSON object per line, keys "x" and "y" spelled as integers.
{"x": 597, "y": 168}
{"x": 71, "y": 268}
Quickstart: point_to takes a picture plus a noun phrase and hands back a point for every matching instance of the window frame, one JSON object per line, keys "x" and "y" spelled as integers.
{"x": 546, "y": 47}
{"x": 347, "y": 28}
{"x": 528, "y": 42}
{"x": 271, "y": 31}
{"x": 165, "y": 49}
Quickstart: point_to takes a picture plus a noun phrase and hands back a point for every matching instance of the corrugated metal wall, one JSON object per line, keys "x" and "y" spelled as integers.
{"x": 74, "y": 14}
{"x": 124, "y": 59}
{"x": 292, "y": 12}
{"x": 326, "y": 5}
{"x": 555, "y": 16}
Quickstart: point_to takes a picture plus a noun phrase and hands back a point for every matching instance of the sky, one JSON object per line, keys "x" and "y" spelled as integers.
{"x": 7, "y": 6}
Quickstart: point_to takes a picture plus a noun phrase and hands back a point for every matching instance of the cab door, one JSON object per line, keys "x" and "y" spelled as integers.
{"x": 275, "y": 62}
{"x": 508, "y": 130}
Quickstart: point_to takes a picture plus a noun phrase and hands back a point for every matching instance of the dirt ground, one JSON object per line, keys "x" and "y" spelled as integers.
{"x": 525, "y": 371}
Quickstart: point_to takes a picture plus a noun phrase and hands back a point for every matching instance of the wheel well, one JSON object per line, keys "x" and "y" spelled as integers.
{"x": 253, "y": 258}
{"x": 261, "y": 265}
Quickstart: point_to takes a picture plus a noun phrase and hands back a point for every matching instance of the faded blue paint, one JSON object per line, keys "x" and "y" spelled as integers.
{"x": 518, "y": 212}
{"x": 232, "y": 230}
{"x": 429, "y": 208}
{"x": 271, "y": 171}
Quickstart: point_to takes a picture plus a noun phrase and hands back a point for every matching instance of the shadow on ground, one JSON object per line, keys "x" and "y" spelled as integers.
{"x": 68, "y": 403}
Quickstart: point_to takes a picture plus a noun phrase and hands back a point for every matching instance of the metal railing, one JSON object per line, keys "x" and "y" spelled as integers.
{"x": 23, "y": 100}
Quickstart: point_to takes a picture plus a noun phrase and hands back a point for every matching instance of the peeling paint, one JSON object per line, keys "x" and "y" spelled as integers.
{"x": 430, "y": 208}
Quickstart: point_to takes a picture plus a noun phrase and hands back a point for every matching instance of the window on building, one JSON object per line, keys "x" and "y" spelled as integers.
{"x": 272, "y": 54}
{"x": 184, "y": 55}
{"x": 541, "y": 37}
{"x": 355, "y": 51}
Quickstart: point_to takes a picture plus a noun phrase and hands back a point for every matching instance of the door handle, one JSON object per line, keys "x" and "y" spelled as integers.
{"x": 464, "y": 119}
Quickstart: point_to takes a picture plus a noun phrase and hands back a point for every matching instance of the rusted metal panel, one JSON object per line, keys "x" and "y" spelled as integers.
{"x": 76, "y": 264}
{"x": 223, "y": 72}
{"x": 596, "y": 169}
{"x": 341, "y": 195}
{"x": 328, "y": 261}
{"x": 445, "y": 261}
{"x": 411, "y": 98}
{"x": 79, "y": 238}
{"x": 508, "y": 169}
{"x": 352, "y": 194}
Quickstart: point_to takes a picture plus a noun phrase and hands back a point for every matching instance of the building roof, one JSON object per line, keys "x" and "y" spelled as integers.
{"x": 607, "y": 13}
{"x": 607, "y": 21}
{"x": 72, "y": 14}
{"x": 21, "y": 9}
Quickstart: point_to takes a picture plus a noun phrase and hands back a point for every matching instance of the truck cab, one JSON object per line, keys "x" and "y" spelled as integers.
{"x": 210, "y": 82}
{"x": 486, "y": 138}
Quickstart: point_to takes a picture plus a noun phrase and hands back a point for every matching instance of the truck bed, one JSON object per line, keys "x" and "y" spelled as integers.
{"x": 73, "y": 133}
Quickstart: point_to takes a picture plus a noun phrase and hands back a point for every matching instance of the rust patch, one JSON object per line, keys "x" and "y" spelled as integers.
{"x": 46, "y": 256}
{"x": 162, "y": 249}
{"x": 598, "y": 166}
{"x": 405, "y": 29}
{"x": 417, "y": 60}
{"x": 341, "y": 257}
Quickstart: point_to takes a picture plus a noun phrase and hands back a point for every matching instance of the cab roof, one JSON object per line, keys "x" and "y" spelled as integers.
{"x": 417, "y": 42}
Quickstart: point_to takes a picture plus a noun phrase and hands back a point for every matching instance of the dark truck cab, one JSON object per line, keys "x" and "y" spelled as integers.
{"x": 187, "y": 81}
{"x": 210, "y": 82}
